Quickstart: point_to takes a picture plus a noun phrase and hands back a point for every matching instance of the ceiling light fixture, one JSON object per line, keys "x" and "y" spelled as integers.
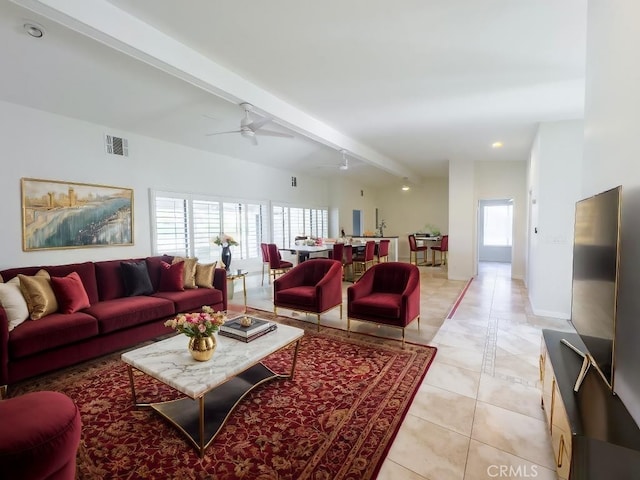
{"x": 33, "y": 29}
{"x": 496, "y": 145}
{"x": 405, "y": 185}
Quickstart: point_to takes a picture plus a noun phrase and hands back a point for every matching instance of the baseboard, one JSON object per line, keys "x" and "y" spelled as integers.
{"x": 552, "y": 314}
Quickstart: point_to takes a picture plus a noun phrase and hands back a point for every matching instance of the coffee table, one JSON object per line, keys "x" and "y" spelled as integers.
{"x": 213, "y": 388}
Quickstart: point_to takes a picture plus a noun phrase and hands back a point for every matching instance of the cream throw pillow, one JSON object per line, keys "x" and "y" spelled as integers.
{"x": 13, "y": 302}
{"x": 39, "y": 295}
{"x": 204, "y": 274}
{"x": 189, "y": 270}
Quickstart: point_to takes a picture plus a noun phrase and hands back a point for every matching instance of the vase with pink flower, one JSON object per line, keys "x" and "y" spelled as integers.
{"x": 200, "y": 328}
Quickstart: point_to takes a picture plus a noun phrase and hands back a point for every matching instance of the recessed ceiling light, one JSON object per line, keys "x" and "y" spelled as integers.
{"x": 405, "y": 185}
{"x": 33, "y": 29}
{"x": 496, "y": 145}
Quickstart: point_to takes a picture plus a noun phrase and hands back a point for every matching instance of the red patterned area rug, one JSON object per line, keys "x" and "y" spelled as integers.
{"x": 335, "y": 420}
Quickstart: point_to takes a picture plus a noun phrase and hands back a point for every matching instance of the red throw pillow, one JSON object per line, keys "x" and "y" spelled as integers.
{"x": 171, "y": 277}
{"x": 70, "y": 293}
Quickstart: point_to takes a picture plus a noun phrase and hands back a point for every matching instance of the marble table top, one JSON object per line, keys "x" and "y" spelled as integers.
{"x": 170, "y": 361}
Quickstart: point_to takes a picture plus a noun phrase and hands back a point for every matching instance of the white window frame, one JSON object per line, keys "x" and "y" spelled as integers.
{"x": 246, "y": 248}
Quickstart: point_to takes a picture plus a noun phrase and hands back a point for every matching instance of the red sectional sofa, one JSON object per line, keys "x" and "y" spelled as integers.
{"x": 111, "y": 322}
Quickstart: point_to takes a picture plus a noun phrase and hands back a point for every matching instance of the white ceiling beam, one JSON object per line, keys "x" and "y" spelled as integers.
{"x": 104, "y": 22}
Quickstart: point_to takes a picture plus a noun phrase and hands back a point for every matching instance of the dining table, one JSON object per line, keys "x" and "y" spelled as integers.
{"x": 302, "y": 252}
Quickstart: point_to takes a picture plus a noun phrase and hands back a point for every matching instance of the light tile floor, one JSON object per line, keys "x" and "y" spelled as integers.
{"x": 477, "y": 414}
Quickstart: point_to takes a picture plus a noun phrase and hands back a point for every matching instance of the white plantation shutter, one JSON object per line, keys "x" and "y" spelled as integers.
{"x": 206, "y": 226}
{"x": 290, "y": 222}
{"x": 171, "y": 226}
{"x": 185, "y": 226}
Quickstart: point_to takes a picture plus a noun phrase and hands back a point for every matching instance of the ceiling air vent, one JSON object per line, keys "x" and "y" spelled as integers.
{"x": 294, "y": 181}
{"x": 116, "y": 145}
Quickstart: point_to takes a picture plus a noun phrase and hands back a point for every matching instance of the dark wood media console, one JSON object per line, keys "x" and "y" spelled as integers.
{"x": 592, "y": 433}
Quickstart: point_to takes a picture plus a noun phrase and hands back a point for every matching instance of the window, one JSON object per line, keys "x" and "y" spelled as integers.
{"x": 185, "y": 226}
{"x": 292, "y": 222}
{"x": 497, "y": 225}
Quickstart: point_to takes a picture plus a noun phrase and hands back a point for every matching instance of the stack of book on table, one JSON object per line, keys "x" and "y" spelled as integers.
{"x": 234, "y": 329}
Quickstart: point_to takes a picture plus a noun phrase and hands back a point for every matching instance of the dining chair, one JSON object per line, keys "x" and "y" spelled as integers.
{"x": 383, "y": 251}
{"x": 277, "y": 266}
{"x": 264, "y": 248}
{"x": 443, "y": 248}
{"x": 337, "y": 252}
{"x": 347, "y": 263}
{"x": 415, "y": 249}
{"x": 366, "y": 259}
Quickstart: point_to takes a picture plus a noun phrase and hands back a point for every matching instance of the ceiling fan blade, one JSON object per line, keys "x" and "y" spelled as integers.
{"x": 256, "y": 124}
{"x": 271, "y": 133}
{"x": 222, "y": 133}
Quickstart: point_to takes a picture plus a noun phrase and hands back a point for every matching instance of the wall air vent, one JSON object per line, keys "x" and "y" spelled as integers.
{"x": 294, "y": 181}
{"x": 116, "y": 145}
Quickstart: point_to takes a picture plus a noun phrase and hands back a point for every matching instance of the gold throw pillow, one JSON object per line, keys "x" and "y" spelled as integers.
{"x": 204, "y": 274}
{"x": 189, "y": 270}
{"x": 37, "y": 291}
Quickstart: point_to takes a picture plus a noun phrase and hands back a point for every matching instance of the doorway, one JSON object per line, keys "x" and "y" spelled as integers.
{"x": 495, "y": 230}
{"x": 357, "y": 223}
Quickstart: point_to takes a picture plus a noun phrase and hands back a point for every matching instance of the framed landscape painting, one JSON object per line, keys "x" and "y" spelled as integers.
{"x": 71, "y": 215}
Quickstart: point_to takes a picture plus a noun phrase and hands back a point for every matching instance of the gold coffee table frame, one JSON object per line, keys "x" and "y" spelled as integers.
{"x": 201, "y": 415}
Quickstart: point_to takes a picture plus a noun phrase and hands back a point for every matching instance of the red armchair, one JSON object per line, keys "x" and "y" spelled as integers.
{"x": 314, "y": 286}
{"x": 40, "y": 436}
{"x": 387, "y": 293}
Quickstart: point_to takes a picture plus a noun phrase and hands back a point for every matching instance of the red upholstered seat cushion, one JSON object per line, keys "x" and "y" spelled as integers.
{"x": 39, "y": 437}
{"x": 34, "y": 336}
{"x": 70, "y": 293}
{"x": 301, "y": 295}
{"x": 378, "y": 304}
{"x": 192, "y": 299}
{"x": 285, "y": 264}
{"x": 171, "y": 277}
{"x": 129, "y": 311}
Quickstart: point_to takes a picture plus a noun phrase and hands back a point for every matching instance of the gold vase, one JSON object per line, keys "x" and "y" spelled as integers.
{"x": 202, "y": 348}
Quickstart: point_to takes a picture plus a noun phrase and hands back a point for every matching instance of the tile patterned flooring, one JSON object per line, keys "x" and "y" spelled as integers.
{"x": 477, "y": 414}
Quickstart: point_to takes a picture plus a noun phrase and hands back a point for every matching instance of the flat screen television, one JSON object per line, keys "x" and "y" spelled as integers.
{"x": 596, "y": 260}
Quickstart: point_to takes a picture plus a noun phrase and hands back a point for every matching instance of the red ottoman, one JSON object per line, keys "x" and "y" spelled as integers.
{"x": 39, "y": 437}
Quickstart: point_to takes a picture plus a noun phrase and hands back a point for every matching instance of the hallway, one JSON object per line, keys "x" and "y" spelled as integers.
{"x": 477, "y": 413}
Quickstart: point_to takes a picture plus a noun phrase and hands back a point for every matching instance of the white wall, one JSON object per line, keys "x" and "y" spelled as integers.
{"x": 612, "y": 157}
{"x": 503, "y": 180}
{"x": 410, "y": 211}
{"x": 462, "y": 209}
{"x": 556, "y": 161}
{"x": 41, "y": 145}
{"x": 345, "y": 196}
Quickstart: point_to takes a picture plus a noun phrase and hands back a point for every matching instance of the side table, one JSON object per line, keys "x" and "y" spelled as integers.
{"x": 236, "y": 276}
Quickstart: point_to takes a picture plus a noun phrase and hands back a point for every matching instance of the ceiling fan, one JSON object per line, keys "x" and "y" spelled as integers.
{"x": 250, "y": 128}
{"x": 344, "y": 165}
